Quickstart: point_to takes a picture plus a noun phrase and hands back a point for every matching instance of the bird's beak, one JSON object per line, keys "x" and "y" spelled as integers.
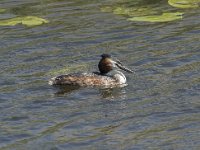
{"x": 119, "y": 65}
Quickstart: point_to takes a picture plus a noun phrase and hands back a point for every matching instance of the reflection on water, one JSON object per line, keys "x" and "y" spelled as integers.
{"x": 112, "y": 93}
{"x": 66, "y": 90}
{"x": 105, "y": 93}
{"x": 159, "y": 109}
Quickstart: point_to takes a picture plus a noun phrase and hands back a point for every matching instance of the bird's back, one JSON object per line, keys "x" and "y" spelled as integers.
{"x": 83, "y": 79}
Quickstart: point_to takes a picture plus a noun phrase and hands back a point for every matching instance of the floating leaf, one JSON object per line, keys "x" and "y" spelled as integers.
{"x": 130, "y": 11}
{"x": 28, "y": 21}
{"x": 134, "y": 11}
{"x": 165, "y": 17}
{"x": 184, "y": 3}
{"x": 33, "y": 21}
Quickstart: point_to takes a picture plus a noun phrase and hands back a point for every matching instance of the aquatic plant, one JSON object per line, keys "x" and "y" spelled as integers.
{"x": 165, "y": 17}
{"x": 145, "y": 14}
{"x": 184, "y": 3}
{"x": 130, "y": 11}
{"x": 27, "y": 21}
{"x": 150, "y": 12}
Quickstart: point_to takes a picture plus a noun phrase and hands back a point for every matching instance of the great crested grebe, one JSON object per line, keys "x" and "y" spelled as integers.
{"x": 109, "y": 75}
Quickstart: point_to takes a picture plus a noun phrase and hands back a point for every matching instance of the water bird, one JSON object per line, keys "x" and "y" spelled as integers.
{"x": 109, "y": 75}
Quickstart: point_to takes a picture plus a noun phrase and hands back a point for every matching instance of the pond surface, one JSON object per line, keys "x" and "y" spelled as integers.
{"x": 159, "y": 109}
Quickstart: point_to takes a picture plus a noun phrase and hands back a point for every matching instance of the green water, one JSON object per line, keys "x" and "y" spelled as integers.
{"x": 159, "y": 109}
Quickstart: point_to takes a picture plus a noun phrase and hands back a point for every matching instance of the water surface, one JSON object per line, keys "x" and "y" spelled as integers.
{"x": 159, "y": 109}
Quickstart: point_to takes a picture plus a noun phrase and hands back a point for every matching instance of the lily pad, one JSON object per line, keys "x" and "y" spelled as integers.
{"x": 130, "y": 11}
{"x": 165, "y": 17}
{"x": 28, "y": 21}
{"x": 184, "y": 3}
{"x": 134, "y": 11}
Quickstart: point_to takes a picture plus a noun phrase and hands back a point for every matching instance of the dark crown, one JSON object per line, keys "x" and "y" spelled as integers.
{"x": 106, "y": 56}
{"x": 105, "y": 64}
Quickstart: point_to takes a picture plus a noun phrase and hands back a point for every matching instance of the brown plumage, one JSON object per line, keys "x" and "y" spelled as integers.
{"x": 108, "y": 75}
{"x": 105, "y": 64}
{"x": 89, "y": 79}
